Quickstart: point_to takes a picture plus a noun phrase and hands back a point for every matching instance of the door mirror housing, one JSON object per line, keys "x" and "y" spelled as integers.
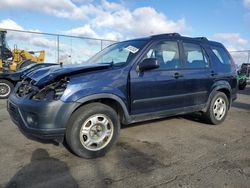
{"x": 148, "y": 64}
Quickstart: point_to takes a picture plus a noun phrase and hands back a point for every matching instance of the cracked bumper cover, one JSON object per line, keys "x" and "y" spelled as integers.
{"x": 40, "y": 119}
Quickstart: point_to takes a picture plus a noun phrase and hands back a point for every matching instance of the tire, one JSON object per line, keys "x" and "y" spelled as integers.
{"x": 6, "y": 87}
{"x": 242, "y": 86}
{"x": 25, "y": 64}
{"x": 89, "y": 125}
{"x": 217, "y": 109}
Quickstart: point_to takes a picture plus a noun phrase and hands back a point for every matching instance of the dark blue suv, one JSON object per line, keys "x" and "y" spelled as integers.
{"x": 127, "y": 82}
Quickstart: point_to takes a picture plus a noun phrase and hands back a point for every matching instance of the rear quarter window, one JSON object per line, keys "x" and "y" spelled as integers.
{"x": 221, "y": 54}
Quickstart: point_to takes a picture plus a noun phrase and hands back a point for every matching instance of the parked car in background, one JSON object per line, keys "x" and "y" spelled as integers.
{"x": 131, "y": 81}
{"x": 242, "y": 80}
{"x": 8, "y": 80}
{"x": 245, "y": 70}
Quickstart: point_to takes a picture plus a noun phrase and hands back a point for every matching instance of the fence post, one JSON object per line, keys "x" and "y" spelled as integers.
{"x": 58, "y": 59}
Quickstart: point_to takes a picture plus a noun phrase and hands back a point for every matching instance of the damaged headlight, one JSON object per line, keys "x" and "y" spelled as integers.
{"x": 53, "y": 91}
{"x": 25, "y": 87}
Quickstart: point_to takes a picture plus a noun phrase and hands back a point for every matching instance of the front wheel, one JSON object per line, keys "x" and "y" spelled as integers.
{"x": 5, "y": 88}
{"x": 92, "y": 130}
{"x": 217, "y": 109}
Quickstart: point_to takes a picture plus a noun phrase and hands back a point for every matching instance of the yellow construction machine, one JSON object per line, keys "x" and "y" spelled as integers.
{"x": 17, "y": 58}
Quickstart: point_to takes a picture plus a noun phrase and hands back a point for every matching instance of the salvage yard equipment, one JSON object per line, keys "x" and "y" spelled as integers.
{"x": 17, "y": 58}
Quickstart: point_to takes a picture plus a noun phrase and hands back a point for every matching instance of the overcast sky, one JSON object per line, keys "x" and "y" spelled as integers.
{"x": 227, "y": 21}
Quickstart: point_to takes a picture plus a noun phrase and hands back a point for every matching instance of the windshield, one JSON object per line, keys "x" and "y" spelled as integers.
{"x": 119, "y": 53}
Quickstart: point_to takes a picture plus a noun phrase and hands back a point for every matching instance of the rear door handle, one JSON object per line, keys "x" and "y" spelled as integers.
{"x": 213, "y": 73}
{"x": 177, "y": 75}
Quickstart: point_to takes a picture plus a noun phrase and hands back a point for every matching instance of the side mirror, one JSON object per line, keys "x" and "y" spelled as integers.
{"x": 148, "y": 64}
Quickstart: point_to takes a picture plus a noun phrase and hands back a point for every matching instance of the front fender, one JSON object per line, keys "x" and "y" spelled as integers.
{"x": 106, "y": 96}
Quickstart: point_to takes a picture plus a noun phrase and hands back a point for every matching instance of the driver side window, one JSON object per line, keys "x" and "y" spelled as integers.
{"x": 167, "y": 55}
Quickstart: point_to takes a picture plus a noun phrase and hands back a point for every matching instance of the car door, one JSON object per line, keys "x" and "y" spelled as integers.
{"x": 197, "y": 74}
{"x": 162, "y": 88}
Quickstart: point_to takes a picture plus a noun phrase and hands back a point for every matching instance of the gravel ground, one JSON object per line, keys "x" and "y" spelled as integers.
{"x": 174, "y": 152}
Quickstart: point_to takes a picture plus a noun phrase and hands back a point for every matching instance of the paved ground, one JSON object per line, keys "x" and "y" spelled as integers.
{"x": 174, "y": 152}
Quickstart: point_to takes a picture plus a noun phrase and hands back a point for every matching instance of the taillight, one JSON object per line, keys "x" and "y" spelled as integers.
{"x": 233, "y": 64}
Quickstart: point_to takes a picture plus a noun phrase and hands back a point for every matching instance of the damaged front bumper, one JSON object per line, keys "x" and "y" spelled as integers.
{"x": 40, "y": 119}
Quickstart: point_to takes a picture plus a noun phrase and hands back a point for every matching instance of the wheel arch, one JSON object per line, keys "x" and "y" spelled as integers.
{"x": 111, "y": 100}
{"x": 222, "y": 87}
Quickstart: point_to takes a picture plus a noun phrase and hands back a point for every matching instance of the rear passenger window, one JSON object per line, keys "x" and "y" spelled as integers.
{"x": 222, "y": 55}
{"x": 166, "y": 53}
{"x": 194, "y": 56}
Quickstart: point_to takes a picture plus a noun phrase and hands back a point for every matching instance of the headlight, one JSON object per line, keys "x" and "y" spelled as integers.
{"x": 53, "y": 91}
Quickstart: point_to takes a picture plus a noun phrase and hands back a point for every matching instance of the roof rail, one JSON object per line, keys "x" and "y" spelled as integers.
{"x": 167, "y": 34}
{"x": 201, "y": 38}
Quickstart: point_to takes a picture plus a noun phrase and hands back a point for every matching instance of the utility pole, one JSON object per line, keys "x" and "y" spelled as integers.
{"x": 58, "y": 50}
{"x": 248, "y": 56}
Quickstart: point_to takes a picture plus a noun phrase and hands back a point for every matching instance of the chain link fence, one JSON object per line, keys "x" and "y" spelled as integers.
{"x": 72, "y": 49}
{"x": 58, "y": 48}
{"x": 241, "y": 56}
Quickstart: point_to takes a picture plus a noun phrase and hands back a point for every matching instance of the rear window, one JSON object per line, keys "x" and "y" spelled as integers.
{"x": 194, "y": 56}
{"x": 166, "y": 53}
{"x": 221, "y": 54}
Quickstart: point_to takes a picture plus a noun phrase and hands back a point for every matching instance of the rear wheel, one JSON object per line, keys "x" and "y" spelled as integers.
{"x": 92, "y": 130}
{"x": 5, "y": 88}
{"x": 217, "y": 109}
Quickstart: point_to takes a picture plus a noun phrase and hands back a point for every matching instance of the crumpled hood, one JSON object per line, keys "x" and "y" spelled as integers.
{"x": 45, "y": 75}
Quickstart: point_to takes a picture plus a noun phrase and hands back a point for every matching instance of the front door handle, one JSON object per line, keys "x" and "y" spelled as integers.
{"x": 177, "y": 75}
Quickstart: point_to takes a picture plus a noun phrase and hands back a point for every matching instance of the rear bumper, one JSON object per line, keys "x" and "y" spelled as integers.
{"x": 40, "y": 119}
{"x": 233, "y": 96}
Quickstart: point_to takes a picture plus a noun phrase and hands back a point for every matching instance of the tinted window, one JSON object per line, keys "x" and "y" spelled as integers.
{"x": 222, "y": 55}
{"x": 194, "y": 56}
{"x": 167, "y": 54}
